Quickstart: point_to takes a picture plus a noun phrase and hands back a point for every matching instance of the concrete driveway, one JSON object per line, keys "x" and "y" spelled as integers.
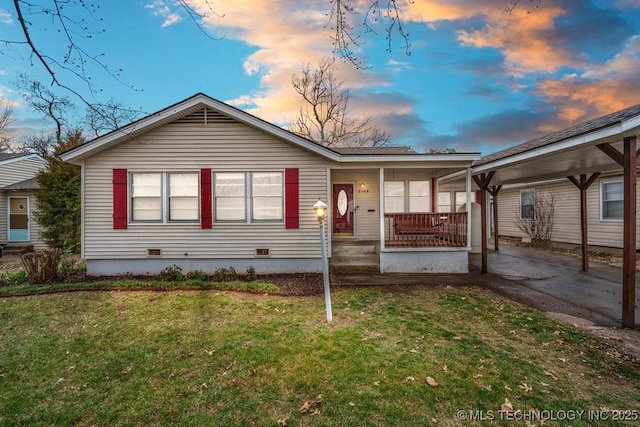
{"x": 597, "y": 293}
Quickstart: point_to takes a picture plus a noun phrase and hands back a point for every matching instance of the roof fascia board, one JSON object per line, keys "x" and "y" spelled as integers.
{"x": 372, "y": 158}
{"x": 631, "y": 124}
{"x": 32, "y": 156}
{"x": 587, "y": 139}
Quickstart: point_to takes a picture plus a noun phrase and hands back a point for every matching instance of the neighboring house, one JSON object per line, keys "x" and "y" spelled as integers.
{"x": 604, "y": 210}
{"x": 17, "y": 200}
{"x": 203, "y": 185}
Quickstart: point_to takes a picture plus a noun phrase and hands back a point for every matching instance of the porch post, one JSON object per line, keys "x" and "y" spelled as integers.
{"x": 468, "y": 208}
{"x": 434, "y": 194}
{"x": 583, "y": 185}
{"x": 381, "y": 208}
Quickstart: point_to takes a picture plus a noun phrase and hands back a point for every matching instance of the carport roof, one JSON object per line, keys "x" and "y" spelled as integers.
{"x": 571, "y": 151}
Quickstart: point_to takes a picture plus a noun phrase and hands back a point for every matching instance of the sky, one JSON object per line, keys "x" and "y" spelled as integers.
{"x": 477, "y": 78}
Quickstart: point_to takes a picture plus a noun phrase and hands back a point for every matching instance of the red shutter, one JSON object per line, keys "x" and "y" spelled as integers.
{"x": 291, "y": 198}
{"x": 120, "y": 188}
{"x": 205, "y": 198}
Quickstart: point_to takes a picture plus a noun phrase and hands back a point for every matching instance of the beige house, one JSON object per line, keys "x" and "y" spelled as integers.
{"x": 17, "y": 201}
{"x": 604, "y": 210}
{"x": 203, "y": 185}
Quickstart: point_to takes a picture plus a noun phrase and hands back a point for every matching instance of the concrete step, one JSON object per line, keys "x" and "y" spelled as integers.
{"x": 14, "y": 249}
{"x": 354, "y": 268}
{"x": 354, "y": 247}
{"x": 356, "y": 263}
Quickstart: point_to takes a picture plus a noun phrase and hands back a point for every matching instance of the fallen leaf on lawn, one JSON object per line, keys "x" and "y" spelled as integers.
{"x": 476, "y": 376}
{"x": 414, "y": 350}
{"x": 434, "y": 421}
{"x": 544, "y": 384}
{"x": 282, "y": 422}
{"x": 315, "y": 412}
{"x": 512, "y": 332}
{"x": 507, "y": 387}
{"x": 525, "y": 387}
{"x": 352, "y": 404}
{"x": 376, "y": 383}
{"x": 305, "y": 406}
{"x": 506, "y": 406}
{"x": 550, "y": 374}
{"x": 409, "y": 379}
{"x": 562, "y": 359}
{"x": 444, "y": 368}
{"x": 432, "y": 382}
{"x": 457, "y": 338}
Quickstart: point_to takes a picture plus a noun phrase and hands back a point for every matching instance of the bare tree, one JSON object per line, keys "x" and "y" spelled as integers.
{"x": 326, "y": 117}
{"x": 106, "y": 117}
{"x": 42, "y": 144}
{"x": 6, "y": 119}
{"x": 537, "y": 219}
{"x": 43, "y": 100}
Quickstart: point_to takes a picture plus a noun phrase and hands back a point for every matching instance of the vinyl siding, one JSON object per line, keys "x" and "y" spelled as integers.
{"x": 19, "y": 170}
{"x": 368, "y": 198}
{"x": 3, "y": 217}
{"x": 190, "y": 146}
{"x": 567, "y": 214}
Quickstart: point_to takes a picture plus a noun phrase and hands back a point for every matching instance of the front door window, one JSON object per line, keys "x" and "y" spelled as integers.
{"x": 18, "y": 219}
{"x": 343, "y": 210}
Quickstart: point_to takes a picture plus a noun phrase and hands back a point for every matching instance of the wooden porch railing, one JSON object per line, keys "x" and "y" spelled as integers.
{"x": 425, "y": 230}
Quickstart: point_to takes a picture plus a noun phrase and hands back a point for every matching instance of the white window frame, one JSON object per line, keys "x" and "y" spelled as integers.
{"x": 601, "y": 200}
{"x": 406, "y": 196}
{"x": 520, "y": 205}
{"x": 249, "y": 215}
{"x": 164, "y": 199}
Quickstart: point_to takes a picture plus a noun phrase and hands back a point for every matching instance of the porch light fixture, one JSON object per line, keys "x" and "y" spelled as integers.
{"x": 320, "y": 209}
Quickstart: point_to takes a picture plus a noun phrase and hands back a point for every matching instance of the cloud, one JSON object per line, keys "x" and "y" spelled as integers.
{"x": 5, "y": 17}
{"x": 161, "y": 9}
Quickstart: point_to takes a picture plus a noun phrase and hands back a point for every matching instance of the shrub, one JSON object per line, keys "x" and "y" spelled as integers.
{"x": 225, "y": 275}
{"x": 12, "y": 279}
{"x": 251, "y": 274}
{"x": 196, "y": 275}
{"x": 71, "y": 268}
{"x": 172, "y": 273}
{"x": 42, "y": 267}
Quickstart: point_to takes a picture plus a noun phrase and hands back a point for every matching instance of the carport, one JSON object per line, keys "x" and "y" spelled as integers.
{"x": 579, "y": 154}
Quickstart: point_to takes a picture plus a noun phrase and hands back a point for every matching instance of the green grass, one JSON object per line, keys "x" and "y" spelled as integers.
{"x": 225, "y": 358}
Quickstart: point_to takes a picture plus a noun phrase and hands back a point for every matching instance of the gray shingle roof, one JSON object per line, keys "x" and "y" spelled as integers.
{"x": 374, "y": 150}
{"x": 573, "y": 131}
{"x": 27, "y": 184}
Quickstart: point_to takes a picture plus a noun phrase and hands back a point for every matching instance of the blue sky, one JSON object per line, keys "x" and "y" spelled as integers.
{"x": 477, "y": 79}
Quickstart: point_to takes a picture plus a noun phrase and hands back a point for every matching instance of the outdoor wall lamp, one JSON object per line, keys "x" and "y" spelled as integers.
{"x": 320, "y": 209}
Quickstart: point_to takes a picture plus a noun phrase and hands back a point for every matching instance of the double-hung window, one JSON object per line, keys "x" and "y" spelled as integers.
{"x": 261, "y": 194}
{"x": 164, "y": 197}
{"x": 527, "y": 204}
{"x": 406, "y": 196}
{"x": 611, "y": 200}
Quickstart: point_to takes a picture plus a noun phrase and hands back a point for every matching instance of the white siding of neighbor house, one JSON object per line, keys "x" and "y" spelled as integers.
{"x": 12, "y": 172}
{"x": 190, "y": 146}
{"x": 19, "y": 170}
{"x": 368, "y": 198}
{"x": 567, "y": 214}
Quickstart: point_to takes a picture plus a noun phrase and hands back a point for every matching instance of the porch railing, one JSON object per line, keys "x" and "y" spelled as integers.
{"x": 424, "y": 230}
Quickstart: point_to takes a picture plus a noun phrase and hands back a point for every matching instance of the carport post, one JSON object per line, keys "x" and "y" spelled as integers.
{"x": 629, "y": 251}
{"x": 629, "y": 161}
{"x": 494, "y": 193}
{"x": 483, "y": 181}
{"x": 583, "y": 185}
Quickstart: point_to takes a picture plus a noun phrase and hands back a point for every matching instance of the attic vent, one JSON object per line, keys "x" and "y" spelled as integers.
{"x": 205, "y": 116}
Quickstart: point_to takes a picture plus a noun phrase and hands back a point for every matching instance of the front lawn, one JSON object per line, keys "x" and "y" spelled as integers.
{"x": 416, "y": 356}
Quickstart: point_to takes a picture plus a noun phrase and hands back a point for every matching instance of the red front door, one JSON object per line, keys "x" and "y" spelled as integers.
{"x": 343, "y": 209}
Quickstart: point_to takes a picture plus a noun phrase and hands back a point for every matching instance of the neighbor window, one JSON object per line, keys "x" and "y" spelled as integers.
{"x": 163, "y": 197}
{"x": 611, "y": 200}
{"x": 527, "y": 204}
{"x": 263, "y": 197}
